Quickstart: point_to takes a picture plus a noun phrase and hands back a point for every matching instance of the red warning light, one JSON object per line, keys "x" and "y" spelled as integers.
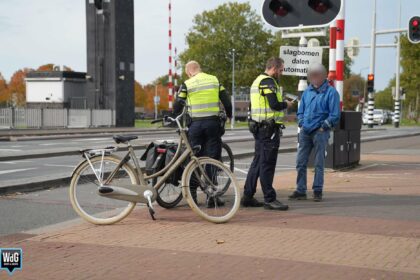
{"x": 280, "y": 8}
{"x": 415, "y": 23}
{"x": 371, "y": 77}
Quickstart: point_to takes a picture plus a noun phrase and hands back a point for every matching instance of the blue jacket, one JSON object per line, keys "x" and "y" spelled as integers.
{"x": 319, "y": 108}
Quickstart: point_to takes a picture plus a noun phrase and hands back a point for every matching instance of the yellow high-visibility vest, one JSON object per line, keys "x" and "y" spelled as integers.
{"x": 260, "y": 108}
{"x": 202, "y": 95}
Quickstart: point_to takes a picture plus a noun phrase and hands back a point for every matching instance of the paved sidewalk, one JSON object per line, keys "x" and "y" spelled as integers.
{"x": 368, "y": 227}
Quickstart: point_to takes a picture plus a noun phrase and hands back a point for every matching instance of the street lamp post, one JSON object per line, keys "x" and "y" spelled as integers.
{"x": 232, "y": 122}
{"x": 397, "y": 76}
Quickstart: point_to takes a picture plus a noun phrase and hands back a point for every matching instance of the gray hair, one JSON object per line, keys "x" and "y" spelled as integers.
{"x": 317, "y": 68}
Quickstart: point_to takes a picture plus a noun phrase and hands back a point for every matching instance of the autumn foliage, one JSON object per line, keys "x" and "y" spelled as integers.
{"x": 144, "y": 97}
{"x": 14, "y": 91}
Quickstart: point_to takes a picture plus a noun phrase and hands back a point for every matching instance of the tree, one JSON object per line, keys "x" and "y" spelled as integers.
{"x": 17, "y": 86}
{"x": 383, "y": 99}
{"x": 139, "y": 95}
{"x": 4, "y": 93}
{"x": 410, "y": 62}
{"x": 230, "y": 26}
{"x": 355, "y": 83}
{"x": 46, "y": 67}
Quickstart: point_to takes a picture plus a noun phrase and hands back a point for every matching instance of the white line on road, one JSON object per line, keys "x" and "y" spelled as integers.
{"x": 15, "y": 170}
{"x": 240, "y": 170}
{"x": 17, "y": 146}
{"x": 10, "y": 150}
{"x": 15, "y": 162}
{"x": 59, "y": 165}
{"x": 92, "y": 139}
{"x": 52, "y": 144}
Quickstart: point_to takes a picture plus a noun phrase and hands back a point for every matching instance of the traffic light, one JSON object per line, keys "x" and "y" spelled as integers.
{"x": 371, "y": 83}
{"x": 414, "y": 30}
{"x": 98, "y": 4}
{"x": 320, "y": 6}
{"x": 280, "y": 8}
{"x": 288, "y": 14}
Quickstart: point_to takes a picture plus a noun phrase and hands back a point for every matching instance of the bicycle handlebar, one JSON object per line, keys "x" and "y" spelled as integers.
{"x": 172, "y": 120}
{"x": 156, "y": 121}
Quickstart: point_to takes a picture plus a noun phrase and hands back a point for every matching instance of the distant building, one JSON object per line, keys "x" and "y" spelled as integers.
{"x": 56, "y": 89}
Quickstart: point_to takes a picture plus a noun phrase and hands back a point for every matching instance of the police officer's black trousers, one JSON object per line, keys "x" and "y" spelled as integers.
{"x": 263, "y": 165}
{"x": 207, "y": 134}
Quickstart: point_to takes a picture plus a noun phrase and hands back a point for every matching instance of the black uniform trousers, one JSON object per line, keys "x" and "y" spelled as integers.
{"x": 207, "y": 134}
{"x": 263, "y": 165}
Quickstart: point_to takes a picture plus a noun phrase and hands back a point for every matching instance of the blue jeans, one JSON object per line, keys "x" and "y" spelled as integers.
{"x": 318, "y": 141}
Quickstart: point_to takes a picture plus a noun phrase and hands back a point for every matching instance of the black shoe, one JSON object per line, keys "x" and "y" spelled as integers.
{"x": 297, "y": 196}
{"x": 251, "y": 202}
{"x": 211, "y": 202}
{"x": 317, "y": 196}
{"x": 276, "y": 205}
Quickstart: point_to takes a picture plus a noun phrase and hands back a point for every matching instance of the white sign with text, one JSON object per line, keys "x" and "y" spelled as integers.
{"x": 298, "y": 59}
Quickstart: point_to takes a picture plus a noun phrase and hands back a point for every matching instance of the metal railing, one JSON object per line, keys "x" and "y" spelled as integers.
{"x": 52, "y": 118}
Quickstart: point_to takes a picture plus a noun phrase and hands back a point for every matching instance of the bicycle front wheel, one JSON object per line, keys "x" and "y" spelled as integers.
{"x": 84, "y": 196}
{"x": 211, "y": 190}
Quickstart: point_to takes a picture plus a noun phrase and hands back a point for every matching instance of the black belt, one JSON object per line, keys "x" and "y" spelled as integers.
{"x": 205, "y": 118}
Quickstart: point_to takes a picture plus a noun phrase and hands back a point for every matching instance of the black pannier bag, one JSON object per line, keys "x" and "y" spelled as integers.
{"x": 154, "y": 156}
{"x": 176, "y": 176}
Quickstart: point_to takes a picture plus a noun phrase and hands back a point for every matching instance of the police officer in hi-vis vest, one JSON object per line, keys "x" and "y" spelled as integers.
{"x": 266, "y": 124}
{"x": 203, "y": 93}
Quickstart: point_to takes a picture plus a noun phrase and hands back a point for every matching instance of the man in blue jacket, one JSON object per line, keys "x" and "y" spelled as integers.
{"x": 318, "y": 113}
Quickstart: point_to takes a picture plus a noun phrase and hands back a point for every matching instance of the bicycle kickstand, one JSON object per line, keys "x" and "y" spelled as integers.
{"x": 148, "y": 195}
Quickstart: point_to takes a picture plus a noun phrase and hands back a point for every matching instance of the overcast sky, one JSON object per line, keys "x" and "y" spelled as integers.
{"x": 53, "y": 31}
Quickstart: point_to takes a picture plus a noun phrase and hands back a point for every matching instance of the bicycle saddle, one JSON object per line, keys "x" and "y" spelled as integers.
{"x": 124, "y": 138}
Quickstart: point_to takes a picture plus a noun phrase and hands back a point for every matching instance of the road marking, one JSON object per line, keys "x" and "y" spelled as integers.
{"x": 10, "y": 150}
{"x": 15, "y": 162}
{"x": 15, "y": 170}
{"x": 91, "y": 139}
{"x": 242, "y": 171}
{"x": 52, "y": 144}
{"x": 17, "y": 146}
{"x": 60, "y": 165}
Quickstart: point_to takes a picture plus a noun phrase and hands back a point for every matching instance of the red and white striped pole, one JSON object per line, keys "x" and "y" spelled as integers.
{"x": 340, "y": 52}
{"x": 333, "y": 54}
{"x": 170, "y": 85}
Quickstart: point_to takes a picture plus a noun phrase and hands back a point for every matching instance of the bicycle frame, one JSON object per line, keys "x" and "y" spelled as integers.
{"x": 126, "y": 192}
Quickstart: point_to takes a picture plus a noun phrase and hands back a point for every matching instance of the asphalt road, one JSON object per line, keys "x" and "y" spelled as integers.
{"x": 25, "y": 212}
{"x": 14, "y": 172}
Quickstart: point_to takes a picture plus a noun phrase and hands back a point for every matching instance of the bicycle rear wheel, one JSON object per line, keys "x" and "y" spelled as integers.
{"x": 211, "y": 190}
{"x": 227, "y": 156}
{"x": 169, "y": 195}
{"x": 84, "y": 196}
